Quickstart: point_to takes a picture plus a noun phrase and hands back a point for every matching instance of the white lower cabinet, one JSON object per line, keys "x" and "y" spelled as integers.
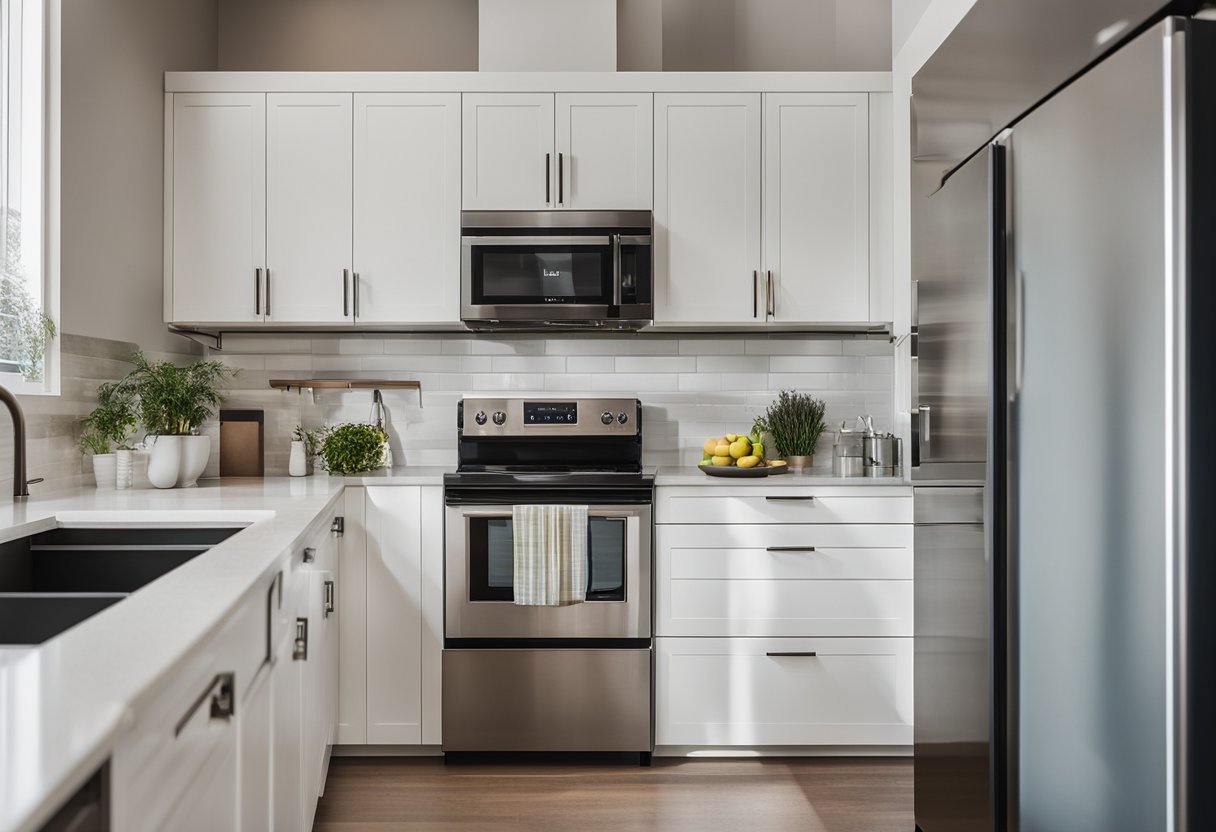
{"x": 255, "y": 756}
{"x": 391, "y": 610}
{"x": 784, "y": 691}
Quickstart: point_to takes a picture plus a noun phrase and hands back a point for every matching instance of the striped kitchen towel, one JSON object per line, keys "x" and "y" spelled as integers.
{"x": 550, "y": 554}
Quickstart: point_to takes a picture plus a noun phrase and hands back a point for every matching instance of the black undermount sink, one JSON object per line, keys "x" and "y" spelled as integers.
{"x": 52, "y": 581}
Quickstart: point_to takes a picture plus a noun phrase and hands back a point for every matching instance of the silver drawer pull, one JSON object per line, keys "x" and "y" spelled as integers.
{"x": 329, "y": 598}
{"x": 299, "y": 647}
{"x": 789, "y": 499}
{"x": 310, "y": 554}
{"x": 223, "y": 701}
{"x": 790, "y": 549}
{"x": 810, "y": 654}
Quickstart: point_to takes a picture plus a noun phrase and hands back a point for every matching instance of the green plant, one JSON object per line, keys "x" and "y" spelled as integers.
{"x": 25, "y": 329}
{"x": 796, "y": 422}
{"x": 175, "y": 400}
{"x": 312, "y": 439}
{"x": 111, "y": 421}
{"x": 353, "y": 448}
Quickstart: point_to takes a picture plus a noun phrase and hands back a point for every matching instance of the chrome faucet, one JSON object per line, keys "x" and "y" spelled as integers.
{"x": 21, "y": 486}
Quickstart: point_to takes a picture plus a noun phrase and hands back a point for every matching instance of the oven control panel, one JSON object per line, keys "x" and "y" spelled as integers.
{"x": 538, "y": 417}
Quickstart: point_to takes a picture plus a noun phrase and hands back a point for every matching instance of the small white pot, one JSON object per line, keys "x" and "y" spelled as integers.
{"x": 297, "y": 463}
{"x": 165, "y": 462}
{"x": 125, "y": 469}
{"x": 104, "y": 467}
{"x": 196, "y": 450}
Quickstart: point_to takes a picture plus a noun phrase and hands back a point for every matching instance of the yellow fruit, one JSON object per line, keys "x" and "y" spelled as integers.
{"x": 710, "y": 444}
{"x": 758, "y": 449}
{"x": 731, "y": 437}
{"x": 777, "y": 463}
{"x": 722, "y": 460}
{"x": 707, "y": 460}
{"x": 749, "y": 462}
{"x": 740, "y": 448}
{"x": 723, "y": 449}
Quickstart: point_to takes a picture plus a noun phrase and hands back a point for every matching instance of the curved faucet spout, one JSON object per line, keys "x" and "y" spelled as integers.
{"x": 21, "y": 487}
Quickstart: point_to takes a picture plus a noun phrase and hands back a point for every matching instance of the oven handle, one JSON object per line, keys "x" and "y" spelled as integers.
{"x": 593, "y": 510}
{"x": 508, "y": 240}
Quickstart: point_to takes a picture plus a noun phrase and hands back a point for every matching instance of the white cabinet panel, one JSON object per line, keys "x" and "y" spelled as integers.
{"x": 816, "y": 206}
{"x": 211, "y": 802}
{"x": 508, "y": 156}
{"x": 407, "y": 208}
{"x": 605, "y": 151}
{"x": 790, "y": 505}
{"x": 352, "y": 615}
{"x": 729, "y": 692}
{"x": 432, "y": 615}
{"x": 215, "y": 235}
{"x": 309, "y": 187}
{"x": 707, "y": 208}
{"x": 255, "y": 772}
{"x": 394, "y": 615}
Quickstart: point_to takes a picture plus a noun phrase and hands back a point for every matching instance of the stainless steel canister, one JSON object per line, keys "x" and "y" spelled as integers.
{"x": 881, "y": 455}
{"x": 847, "y": 459}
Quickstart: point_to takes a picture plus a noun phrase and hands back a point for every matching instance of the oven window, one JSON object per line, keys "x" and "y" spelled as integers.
{"x": 541, "y": 274}
{"x": 492, "y": 559}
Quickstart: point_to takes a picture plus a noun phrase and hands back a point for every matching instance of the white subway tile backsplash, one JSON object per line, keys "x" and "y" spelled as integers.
{"x": 590, "y": 364}
{"x": 656, "y": 364}
{"x": 528, "y": 364}
{"x": 732, "y": 364}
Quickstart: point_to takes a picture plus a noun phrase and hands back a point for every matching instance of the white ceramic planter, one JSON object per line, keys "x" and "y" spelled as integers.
{"x": 165, "y": 461}
{"x": 104, "y": 468}
{"x": 196, "y": 450}
{"x": 125, "y": 469}
{"x": 297, "y": 463}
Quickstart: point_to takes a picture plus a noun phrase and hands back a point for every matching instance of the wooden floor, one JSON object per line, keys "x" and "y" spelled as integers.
{"x": 807, "y": 795}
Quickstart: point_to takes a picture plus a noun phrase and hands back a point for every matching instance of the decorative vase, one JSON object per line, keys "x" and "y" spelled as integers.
{"x": 104, "y": 470}
{"x": 165, "y": 462}
{"x": 800, "y": 461}
{"x": 124, "y": 469}
{"x": 297, "y": 463}
{"x": 196, "y": 450}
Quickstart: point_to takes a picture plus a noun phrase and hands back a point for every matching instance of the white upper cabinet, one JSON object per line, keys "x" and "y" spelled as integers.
{"x": 707, "y": 208}
{"x": 508, "y": 154}
{"x": 816, "y": 207}
{"x": 309, "y": 186}
{"x": 407, "y": 208}
{"x": 215, "y": 223}
{"x": 604, "y": 151}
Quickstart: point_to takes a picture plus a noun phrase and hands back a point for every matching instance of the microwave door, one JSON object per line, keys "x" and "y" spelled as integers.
{"x": 537, "y": 277}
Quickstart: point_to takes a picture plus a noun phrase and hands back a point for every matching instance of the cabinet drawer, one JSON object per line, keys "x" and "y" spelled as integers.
{"x": 729, "y": 692}
{"x": 779, "y": 505}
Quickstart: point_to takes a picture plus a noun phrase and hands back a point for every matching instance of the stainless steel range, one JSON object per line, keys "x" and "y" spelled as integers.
{"x": 548, "y": 678}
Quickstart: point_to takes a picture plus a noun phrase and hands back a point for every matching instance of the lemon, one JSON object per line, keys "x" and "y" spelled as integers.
{"x": 722, "y": 460}
{"x": 731, "y": 437}
{"x": 723, "y": 449}
{"x": 710, "y": 444}
{"x": 777, "y": 463}
{"x": 749, "y": 462}
{"x": 740, "y": 448}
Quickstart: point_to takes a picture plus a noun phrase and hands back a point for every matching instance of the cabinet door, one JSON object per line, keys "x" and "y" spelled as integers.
{"x": 407, "y": 208}
{"x": 256, "y": 736}
{"x": 309, "y": 182}
{"x": 211, "y": 802}
{"x": 394, "y": 616}
{"x": 288, "y": 696}
{"x": 707, "y": 208}
{"x": 817, "y": 206}
{"x": 320, "y": 677}
{"x": 508, "y": 157}
{"x": 352, "y": 615}
{"x": 215, "y": 224}
{"x": 605, "y": 151}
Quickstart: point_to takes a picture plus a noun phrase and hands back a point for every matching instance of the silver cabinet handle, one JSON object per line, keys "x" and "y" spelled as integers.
{"x": 268, "y": 291}
{"x": 345, "y": 293}
{"x": 354, "y": 280}
{"x": 299, "y": 650}
{"x": 257, "y": 291}
{"x": 561, "y": 189}
{"x": 924, "y": 410}
{"x": 793, "y": 499}
{"x": 310, "y": 554}
{"x": 772, "y": 299}
{"x": 755, "y": 294}
{"x": 616, "y": 267}
{"x": 548, "y": 159}
{"x": 790, "y": 549}
{"x": 329, "y": 598}
{"x": 810, "y": 654}
{"x": 222, "y": 693}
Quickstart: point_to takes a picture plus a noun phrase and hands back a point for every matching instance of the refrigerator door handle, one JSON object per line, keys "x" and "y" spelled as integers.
{"x": 924, "y": 410}
{"x": 1019, "y": 332}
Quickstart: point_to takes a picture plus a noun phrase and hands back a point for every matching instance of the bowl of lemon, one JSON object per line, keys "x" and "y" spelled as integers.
{"x": 738, "y": 455}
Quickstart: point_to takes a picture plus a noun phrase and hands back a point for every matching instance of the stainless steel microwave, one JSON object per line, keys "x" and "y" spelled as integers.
{"x": 541, "y": 269}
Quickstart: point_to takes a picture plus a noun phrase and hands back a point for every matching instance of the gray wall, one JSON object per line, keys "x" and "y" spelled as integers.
{"x": 114, "y": 55}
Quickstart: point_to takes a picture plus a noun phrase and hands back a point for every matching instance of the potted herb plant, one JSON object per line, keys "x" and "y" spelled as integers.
{"x": 795, "y": 422}
{"x": 305, "y": 446}
{"x": 174, "y": 401}
{"x": 353, "y": 448}
{"x": 106, "y": 428}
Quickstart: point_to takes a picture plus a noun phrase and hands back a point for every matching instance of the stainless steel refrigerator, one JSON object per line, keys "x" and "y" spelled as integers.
{"x": 1063, "y": 381}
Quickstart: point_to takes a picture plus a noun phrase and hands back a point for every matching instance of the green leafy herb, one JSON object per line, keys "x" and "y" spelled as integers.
{"x": 312, "y": 439}
{"x": 796, "y": 422}
{"x": 112, "y": 420}
{"x": 176, "y": 400}
{"x": 353, "y": 448}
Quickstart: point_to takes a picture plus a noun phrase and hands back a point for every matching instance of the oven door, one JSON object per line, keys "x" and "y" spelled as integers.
{"x": 480, "y": 572}
{"x": 537, "y": 278}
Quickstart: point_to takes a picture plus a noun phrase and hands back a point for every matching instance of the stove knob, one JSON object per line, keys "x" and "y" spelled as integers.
{"x": 622, "y": 417}
{"x": 500, "y": 418}
{"x": 606, "y": 418}
{"x": 480, "y": 418}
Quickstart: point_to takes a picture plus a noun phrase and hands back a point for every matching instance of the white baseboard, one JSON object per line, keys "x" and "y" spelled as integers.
{"x": 702, "y": 751}
{"x": 387, "y": 751}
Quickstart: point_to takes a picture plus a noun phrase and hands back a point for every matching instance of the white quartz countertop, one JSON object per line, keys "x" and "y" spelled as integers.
{"x": 64, "y": 704}
{"x": 412, "y": 475}
{"x": 692, "y": 475}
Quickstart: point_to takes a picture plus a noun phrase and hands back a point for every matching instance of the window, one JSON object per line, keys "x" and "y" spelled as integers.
{"x": 26, "y": 329}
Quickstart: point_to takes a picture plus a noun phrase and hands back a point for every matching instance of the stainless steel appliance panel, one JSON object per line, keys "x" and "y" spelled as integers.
{"x": 1091, "y": 429}
{"x": 953, "y": 249}
{"x": 547, "y": 700}
{"x": 628, "y": 618}
{"x": 952, "y": 660}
